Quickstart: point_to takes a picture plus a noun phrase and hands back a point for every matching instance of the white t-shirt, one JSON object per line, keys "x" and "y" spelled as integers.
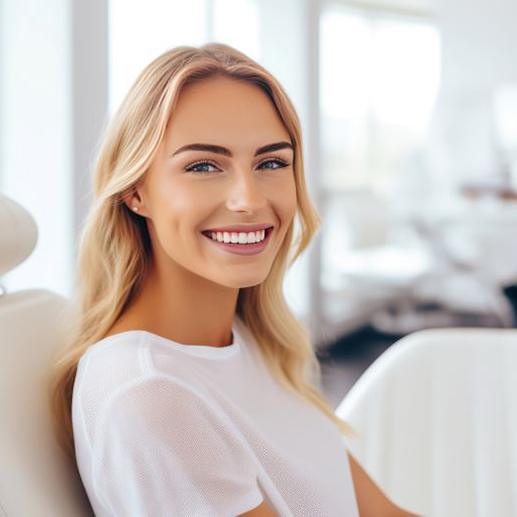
{"x": 168, "y": 429}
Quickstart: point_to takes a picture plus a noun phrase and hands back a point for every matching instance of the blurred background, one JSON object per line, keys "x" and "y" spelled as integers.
{"x": 409, "y": 115}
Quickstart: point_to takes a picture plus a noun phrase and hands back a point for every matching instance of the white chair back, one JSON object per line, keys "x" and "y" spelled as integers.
{"x": 36, "y": 477}
{"x": 437, "y": 418}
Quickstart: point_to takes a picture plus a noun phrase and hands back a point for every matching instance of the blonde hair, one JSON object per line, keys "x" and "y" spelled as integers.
{"x": 109, "y": 271}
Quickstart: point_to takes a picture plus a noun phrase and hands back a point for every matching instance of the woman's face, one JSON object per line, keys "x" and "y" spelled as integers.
{"x": 189, "y": 191}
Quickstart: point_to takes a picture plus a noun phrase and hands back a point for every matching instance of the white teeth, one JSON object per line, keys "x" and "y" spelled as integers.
{"x": 240, "y": 237}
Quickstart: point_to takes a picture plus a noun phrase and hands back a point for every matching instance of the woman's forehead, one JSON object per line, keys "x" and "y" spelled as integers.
{"x": 225, "y": 115}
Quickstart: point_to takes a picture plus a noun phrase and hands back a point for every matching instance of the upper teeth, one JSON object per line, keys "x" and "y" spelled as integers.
{"x": 241, "y": 237}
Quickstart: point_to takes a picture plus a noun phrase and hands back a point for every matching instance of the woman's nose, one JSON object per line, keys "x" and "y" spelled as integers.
{"x": 246, "y": 192}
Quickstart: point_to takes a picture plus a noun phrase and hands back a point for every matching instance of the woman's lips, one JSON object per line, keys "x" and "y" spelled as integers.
{"x": 243, "y": 249}
{"x": 239, "y": 228}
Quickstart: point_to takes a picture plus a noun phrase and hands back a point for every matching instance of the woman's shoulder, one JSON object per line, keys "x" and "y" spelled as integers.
{"x": 112, "y": 353}
{"x": 105, "y": 366}
{"x": 111, "y": 390}
{"x": 118, "y": 341}
{"x": 122, "y": 363}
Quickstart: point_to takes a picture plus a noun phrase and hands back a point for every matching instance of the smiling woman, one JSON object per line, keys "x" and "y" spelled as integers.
{"x": 179, "y": 204}
{"x": 188, "y": 386}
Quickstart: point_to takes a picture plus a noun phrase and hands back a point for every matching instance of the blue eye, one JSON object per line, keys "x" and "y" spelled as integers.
{"x": 280, "y": 164}
{"x": 191, "y": 168}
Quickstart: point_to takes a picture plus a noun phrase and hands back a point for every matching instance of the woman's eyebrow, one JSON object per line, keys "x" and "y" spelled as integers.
{"x": 226, "y": 152}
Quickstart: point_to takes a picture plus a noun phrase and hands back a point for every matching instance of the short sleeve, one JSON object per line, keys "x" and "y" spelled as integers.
{"x": 162, "y": 450}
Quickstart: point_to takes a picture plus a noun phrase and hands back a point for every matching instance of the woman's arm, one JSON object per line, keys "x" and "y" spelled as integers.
{"x": 262, "y": 510}
{"x": 372, "y": 502}
{"x": 370, "y": 499}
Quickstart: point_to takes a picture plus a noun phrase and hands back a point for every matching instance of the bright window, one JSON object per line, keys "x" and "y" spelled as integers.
{"x": 140, "y": 31}
{"x": 380, "y": 75}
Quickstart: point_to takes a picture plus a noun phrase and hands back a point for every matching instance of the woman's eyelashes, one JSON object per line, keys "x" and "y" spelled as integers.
{"x": 280, "y": 164}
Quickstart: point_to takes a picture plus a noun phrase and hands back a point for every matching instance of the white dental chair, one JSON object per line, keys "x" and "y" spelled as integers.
{"x": 436, "y": 415}
{"x": 36, "y": 477}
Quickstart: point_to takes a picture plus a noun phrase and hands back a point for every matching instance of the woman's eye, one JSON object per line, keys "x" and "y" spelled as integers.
{"x": 192, "y": 168}
{"x": 280, "y": 164}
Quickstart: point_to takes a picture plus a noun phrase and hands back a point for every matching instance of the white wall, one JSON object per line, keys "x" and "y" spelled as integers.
{"x": 479, "y": 43}
{"x": 35, "y": 167}
{"x": 89, "y": 103}
{"x": 53, "y": 79}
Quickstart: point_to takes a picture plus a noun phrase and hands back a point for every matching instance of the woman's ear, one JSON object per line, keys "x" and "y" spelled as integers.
{"x": 133, "y": 201}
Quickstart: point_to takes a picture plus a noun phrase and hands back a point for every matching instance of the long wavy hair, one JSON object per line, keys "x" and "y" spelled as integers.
{"x": 114, "y": 247}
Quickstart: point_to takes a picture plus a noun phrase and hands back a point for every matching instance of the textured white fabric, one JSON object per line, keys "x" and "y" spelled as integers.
{"x": 163, "y": 428}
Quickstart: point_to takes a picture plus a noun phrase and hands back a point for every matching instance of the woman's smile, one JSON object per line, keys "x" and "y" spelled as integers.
{"x": 240, "y": 243}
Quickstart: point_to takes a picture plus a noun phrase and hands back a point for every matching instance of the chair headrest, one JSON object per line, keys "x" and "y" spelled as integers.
{"x": 19, "y": 234}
